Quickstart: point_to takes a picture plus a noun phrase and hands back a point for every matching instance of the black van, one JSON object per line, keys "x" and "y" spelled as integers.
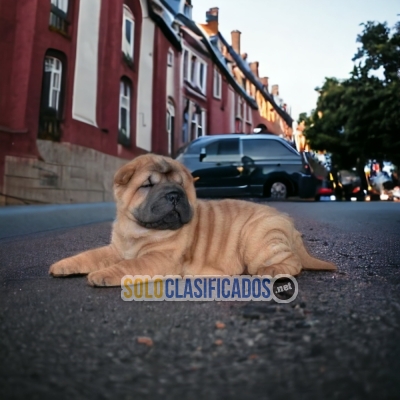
{"x": 248, "y": 165}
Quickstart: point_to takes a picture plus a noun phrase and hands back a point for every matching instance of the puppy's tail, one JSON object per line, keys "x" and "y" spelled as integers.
{"x": 308, "y": 262}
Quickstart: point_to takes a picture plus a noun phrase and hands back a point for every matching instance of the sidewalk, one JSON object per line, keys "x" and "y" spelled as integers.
{"x": 23, "y": 220}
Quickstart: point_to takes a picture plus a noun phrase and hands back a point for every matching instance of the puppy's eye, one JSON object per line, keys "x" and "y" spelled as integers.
{"x": 147, "y": 185}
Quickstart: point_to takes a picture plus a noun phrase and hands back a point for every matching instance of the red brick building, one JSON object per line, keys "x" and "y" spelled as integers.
{"x": 85, "y": 85}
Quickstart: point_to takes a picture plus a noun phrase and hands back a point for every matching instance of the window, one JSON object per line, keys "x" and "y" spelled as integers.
{"x": 185, "y": 64}
{"x": 124, "y": 125}
{"x": 185, "y": 123}
{"x": 224, "y": 147}
{"x": 194, "y": 70}
{"x": 260, "y": 149}
{"x": 239, "y": 114}
{"x": 239, "y": 107}
{"x": 198, "y": 123}
{"x": 212, "y": 149}
{"x": 217, "y": 84}
{"x": 249, "y": 128}
{"x": 62, "y": 5}
{"x": 228, "y": 147}
{"x": 51, "y": 97}
{"x": 194, "y": 121}
{"x": 128, "y": 28}
{"x": 53, "y": 72}
{"x": 202, "y": 76}
{"x": 170, "y": 58}
{"x": 170, "y": 125}
{"x": 238, "y": 125}
{"x": 249, "y": 114}
{"x": 248, "y": 117}
{"x": 58, "y": 15}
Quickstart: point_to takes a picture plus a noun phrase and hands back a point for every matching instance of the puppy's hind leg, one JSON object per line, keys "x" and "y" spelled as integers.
{"x": 290, "y": 266}
{"x": 274, "y": 257}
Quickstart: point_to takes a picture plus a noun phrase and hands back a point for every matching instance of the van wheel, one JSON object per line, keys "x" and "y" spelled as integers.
{"x": 276, "y": 190}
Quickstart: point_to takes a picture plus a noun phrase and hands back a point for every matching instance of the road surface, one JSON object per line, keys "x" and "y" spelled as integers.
{"x": 60, "y": 338}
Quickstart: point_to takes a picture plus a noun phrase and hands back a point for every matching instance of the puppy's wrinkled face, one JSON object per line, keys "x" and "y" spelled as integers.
{"x": 155, "y": 192}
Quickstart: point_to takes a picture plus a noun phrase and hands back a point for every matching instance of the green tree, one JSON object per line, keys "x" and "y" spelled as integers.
{"x": 358, "y": 118}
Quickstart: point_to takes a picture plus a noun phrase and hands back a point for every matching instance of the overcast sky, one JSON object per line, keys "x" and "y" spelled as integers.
{"x": 299, "y": 42}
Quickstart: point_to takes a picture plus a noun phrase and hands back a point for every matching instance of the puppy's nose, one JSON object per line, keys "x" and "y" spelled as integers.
{"x": 173, "y": 197}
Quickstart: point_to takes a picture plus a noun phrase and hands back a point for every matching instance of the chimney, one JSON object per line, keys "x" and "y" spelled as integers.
{"x": 265, "y": 82}
{"x": 254, "y": 67}
{"x": 236, "y": 41}
{"x": 212, "y": 19}
{"x": 275, "y": 90}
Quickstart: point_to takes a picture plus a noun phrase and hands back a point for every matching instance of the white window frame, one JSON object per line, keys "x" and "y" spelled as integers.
{"x": 202, "y": 85}
{"x": 193, "y": 68}
{"x": 239, "y": 107}
{"x": 185, "y": 71}
{"x": 198, "y": 120}
{"x": 217, "y": 84}
{"x": 125, "y": 103}
{"x": 203, "y": 123}
{"x": 54, "y": 65}
{"x": 198, "y": 63}
{"x": 170, "y": 58}
{"x": 61, "y": 4}
{"x": 128, "y": 48}
{"x": 170, "y": 118}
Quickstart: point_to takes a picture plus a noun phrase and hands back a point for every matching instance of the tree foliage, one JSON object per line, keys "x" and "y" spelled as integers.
{"x": 359, "y": 118}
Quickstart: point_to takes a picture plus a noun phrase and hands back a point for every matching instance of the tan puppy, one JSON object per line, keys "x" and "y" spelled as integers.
{"x": 162, "y": 229}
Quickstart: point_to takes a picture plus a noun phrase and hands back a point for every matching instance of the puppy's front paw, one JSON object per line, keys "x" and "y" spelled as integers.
{"x": 104, "y": 277}
{"x": 65, "y": 267}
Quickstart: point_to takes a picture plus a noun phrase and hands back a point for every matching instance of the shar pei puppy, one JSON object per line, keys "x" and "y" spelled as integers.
{"x": 162, "y": 229}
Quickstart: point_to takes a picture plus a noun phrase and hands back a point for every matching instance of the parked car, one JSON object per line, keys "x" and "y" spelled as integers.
{"x": 328, "y": 189}
{"x": 247, "y": 165}
{"x": 351, "y": 186}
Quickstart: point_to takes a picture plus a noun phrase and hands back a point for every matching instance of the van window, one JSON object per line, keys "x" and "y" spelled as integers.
{"x": 260, "y": 149}
{"x": 223, "y": 147}
{"x": 228, "y": 147}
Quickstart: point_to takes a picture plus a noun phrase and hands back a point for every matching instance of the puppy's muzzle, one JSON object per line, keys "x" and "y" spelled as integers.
{"x": 173, "y": 197}
{"x": 165, "y": 207}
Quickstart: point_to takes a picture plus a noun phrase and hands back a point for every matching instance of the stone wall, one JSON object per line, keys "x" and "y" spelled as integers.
{"x": 66, "y": 173}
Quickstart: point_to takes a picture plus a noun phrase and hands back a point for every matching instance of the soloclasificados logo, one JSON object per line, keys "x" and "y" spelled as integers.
{"x": 281, "y": 288}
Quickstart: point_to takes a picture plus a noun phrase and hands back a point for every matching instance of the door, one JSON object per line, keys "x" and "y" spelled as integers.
{"x": 222, "y": 172}
{"x": 270, "y": 157}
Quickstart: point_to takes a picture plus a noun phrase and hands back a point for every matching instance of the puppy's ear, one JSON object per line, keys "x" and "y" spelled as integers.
{"x": 124, "y": 174}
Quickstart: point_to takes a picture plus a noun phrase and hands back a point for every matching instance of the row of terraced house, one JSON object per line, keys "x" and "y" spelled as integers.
{"x": 87, "y": 84}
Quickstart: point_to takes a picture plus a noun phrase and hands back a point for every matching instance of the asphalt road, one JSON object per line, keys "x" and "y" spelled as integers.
{"x": 60, "y": 338}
